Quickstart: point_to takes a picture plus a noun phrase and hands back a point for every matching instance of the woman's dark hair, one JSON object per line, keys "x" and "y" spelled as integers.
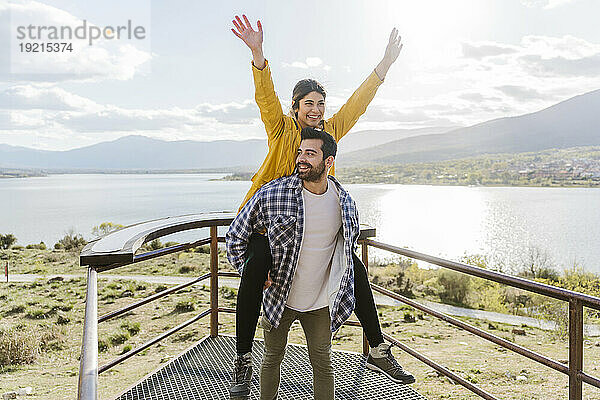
{"x": 304, "y": 87}
{"x": 329, "y": 146}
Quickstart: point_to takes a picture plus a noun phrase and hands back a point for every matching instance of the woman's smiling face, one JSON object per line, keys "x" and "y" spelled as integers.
{"x": 311, "y": 109}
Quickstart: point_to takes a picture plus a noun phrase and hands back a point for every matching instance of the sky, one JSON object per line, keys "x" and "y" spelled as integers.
{"x": 189, "y": 78}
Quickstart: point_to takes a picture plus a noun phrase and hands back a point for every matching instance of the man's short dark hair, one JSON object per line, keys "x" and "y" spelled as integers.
{"x": 329, "y": 146}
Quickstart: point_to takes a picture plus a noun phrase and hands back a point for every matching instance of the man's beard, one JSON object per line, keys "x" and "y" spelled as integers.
{"x": 313, "y": 174}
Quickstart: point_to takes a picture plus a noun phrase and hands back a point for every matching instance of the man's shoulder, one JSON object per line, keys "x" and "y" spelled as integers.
{"x": 276, "y": 185}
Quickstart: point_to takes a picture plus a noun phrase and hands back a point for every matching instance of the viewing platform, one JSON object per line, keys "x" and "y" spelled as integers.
{"x": 204, "y": 370}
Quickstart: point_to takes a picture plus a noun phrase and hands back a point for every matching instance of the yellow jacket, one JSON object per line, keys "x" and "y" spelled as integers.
{"x": 283, "y": 131}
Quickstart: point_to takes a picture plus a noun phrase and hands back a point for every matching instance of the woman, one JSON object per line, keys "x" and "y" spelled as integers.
{"x": 283, "y": 134}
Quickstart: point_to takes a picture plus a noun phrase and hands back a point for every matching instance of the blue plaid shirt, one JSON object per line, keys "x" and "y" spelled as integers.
{"x": 278, "y": 208}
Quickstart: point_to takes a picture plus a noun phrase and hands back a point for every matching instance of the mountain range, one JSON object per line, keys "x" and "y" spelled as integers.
{"x": 573, "y": 122}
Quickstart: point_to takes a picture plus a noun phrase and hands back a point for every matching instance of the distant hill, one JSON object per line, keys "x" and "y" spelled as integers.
{"x": 364, "y": 139}
{"x": 140, "y": 152}
{"x": 573, "y": 122}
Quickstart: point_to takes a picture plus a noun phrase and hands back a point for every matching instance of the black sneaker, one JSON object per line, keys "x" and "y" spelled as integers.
{"x": 389, "y": 366}
{"x": 242, "y": 373}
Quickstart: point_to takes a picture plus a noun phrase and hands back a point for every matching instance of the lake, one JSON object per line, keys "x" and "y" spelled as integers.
{"x": 505, "y": 223}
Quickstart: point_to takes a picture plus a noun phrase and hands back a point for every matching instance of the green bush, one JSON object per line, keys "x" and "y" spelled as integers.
{"x": 228, "y": 293}
{"x": 118, "y": 338}
{"x": 154, "y": 245}
{"x": 40, "y": 246}
{"x": 105, "y": 228}
{"x": 126, "y": 348}
{"x": 160, "y": 288}
{"x": 455, "y": 286}
{"x": 6, "y": 241}
{"x": 15, "y": 309}
{"x": 185, "y": 306}
{"x": 133, "y": 328}
{"x": 184, "y": 269}
{"x": 102, "y": 346}
{"x": 71, "y": 242}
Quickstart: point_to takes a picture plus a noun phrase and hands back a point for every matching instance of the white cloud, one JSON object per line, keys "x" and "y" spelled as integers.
{"x": 26, "y": 97}
{"x": 105, "y": 59}
{"x": 546, "y": 4}
{"x": 52, "y": 118}
{"x": 485, "y": 49}
{"x": 309, "y": 62}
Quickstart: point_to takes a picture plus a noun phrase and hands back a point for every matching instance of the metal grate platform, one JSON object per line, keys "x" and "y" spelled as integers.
{"x": 203, "y": 372}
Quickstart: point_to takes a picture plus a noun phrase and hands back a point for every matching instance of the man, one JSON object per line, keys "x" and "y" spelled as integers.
{"x": 312, "y": 226}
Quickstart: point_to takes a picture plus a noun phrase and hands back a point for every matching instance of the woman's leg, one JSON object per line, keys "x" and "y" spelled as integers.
{"x": 275, "y": 343}
{"x": 365, "y": 308}
{"x": 380, "y": 356}
{"x": 250, "y": 292}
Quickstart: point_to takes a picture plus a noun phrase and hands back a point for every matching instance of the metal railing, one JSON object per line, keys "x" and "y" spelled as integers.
{"x": 576, "y": 300}
{"x": 118, "y": 249}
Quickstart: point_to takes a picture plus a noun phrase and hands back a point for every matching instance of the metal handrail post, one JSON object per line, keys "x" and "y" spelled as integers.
{"x": 214, "y": 282}
{"x": 575, "y": 348}
{"x": 88, "y": 367}
{"x": 365, "y": 260}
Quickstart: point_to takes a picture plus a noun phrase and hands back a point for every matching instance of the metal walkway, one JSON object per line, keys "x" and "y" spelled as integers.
{"x": 203, "y": 372}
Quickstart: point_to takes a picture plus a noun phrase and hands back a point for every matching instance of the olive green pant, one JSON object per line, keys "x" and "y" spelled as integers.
{"x": 316, "y": 326}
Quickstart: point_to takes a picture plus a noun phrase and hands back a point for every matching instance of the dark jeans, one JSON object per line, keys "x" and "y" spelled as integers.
{"x": 249, "y": 299}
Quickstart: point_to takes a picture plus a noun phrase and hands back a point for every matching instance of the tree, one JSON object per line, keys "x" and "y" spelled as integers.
{"x": 105, "y": 228}
{"x": 71, "y": 241}
{"x": 7, "y": 240}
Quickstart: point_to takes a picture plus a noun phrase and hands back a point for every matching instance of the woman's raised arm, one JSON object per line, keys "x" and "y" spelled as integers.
{"x": 252, "y": 38}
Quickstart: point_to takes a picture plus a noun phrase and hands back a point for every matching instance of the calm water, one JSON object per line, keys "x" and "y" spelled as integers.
{"x": 504, "y": 223}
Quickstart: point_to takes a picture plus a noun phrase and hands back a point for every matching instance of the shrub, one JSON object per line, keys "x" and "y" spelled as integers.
{"x": 63, "y": 319}
{"x": 154, "y": 245}
{"x": 185, "y": 306}
{"x": 6, "y": 241}
{"x": 102, "y": 346}
{"x": 105, "y": 228}
{"x": 40, "y": 313}
{"x": 118, "y": 338}
{"x": 133, "y": 328}
{"x": 186, "y": 269}
{"x": 40, "y": 246}
{"x": 203, "y": 249}
{"x": 71, "y": 242}
{"x": 52, "y": 338}
{"x": 18, "y": 345}
{"x": 227, "y": 292}
{"x": 455, "y": 286}
{"x": 126, "y": 348}
{"x": 16, "y": 309}
{"x": 160, "y": 288}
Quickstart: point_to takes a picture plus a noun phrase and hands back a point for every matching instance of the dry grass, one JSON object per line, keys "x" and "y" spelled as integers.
{"x": 53, "y": 374}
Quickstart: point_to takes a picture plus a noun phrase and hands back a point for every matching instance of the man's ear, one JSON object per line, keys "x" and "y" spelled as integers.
{"x": 329, "y": 161}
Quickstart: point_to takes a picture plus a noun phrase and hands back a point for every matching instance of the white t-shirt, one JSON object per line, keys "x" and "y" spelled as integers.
{"x": 322, "y": 222}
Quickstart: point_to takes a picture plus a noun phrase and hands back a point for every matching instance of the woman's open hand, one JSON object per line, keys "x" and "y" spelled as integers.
{"x": 244, "y": 31}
